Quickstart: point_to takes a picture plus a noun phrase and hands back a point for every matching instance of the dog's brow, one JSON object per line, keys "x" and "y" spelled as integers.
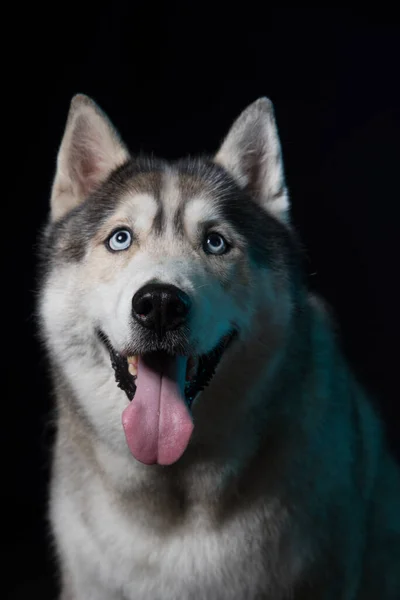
{"x": 199, "y": 210}
{"x": 109, "y": 225}
{"x": 209, "y": 224}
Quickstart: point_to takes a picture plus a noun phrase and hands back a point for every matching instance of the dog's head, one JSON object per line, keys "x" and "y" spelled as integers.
{"x": 161, "y": 266}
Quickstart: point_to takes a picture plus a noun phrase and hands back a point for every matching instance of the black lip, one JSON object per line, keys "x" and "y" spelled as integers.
{"x": 123, "y": 378}
{"x": 205, "y": 371}
{"x": 207, "y": 367}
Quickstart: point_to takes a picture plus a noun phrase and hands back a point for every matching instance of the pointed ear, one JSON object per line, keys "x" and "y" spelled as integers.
{"x": 251, "y": 153}
{"x": 89, "y": 151}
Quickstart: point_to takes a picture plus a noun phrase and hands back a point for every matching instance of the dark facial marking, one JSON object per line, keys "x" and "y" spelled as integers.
{"x": 269, "y": 241}
{"x": 70, "y": 235}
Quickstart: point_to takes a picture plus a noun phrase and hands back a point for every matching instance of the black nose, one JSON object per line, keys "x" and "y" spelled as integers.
{"x": 160, "y": 307}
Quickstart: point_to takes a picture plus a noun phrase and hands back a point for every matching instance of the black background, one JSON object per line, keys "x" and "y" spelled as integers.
{"x": 172, "y": 80}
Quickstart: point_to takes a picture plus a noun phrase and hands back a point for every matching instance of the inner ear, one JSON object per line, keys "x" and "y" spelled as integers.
{"x": 251, "y": 153}
{"x": 90, "y": 150}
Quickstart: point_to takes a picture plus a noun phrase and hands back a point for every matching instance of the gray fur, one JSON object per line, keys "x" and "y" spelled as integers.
{"x": 286, "y": 489}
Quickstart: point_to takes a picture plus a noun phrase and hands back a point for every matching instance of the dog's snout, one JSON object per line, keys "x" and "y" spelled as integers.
{"x": 161, "y": 307}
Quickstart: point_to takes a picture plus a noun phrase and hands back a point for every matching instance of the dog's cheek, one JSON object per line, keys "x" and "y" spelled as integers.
{"x": 61, "y": 308}
{"x": 238, "y": 287}
{"x": 234, "y": 291}
{"x": 214, "y": 313}
{"x": 273, "y": 297}
{"x": 239, "y": 283}
{"x": 109, "y": 304}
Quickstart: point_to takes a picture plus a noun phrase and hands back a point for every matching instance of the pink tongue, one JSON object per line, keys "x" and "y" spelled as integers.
{"x": 157, "y": 423}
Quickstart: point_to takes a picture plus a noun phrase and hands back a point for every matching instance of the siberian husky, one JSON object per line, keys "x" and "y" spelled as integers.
{"x": 212, "y": 443}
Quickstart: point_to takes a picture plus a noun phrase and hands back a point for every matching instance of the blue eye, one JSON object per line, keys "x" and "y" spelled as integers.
{"x": 214, "y": 243}
{"x": 120, "y": 240}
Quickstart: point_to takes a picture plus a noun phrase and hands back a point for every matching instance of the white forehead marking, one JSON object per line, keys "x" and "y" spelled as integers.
{"x": 198, "y": 210}
{"x": 170, "y": 196}
{"x": 144, "y": 208}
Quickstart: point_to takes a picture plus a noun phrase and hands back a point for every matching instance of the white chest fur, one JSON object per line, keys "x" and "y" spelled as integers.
{"x": 118, "y": 554}
{"x": 123, "y": 555}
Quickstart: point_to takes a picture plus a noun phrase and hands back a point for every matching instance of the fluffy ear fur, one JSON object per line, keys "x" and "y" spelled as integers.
{"x": 251, "y": 153}
{"x": 89, "y": 152}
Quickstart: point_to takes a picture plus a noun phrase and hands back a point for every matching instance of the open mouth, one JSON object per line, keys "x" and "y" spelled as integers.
{"x": 199, "y": 370}
{"x": 161, "y": 388}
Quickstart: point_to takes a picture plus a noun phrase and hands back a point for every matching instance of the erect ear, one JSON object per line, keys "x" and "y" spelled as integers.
{"x": 251, "y": 153}
{"x": 89, "y": 151}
